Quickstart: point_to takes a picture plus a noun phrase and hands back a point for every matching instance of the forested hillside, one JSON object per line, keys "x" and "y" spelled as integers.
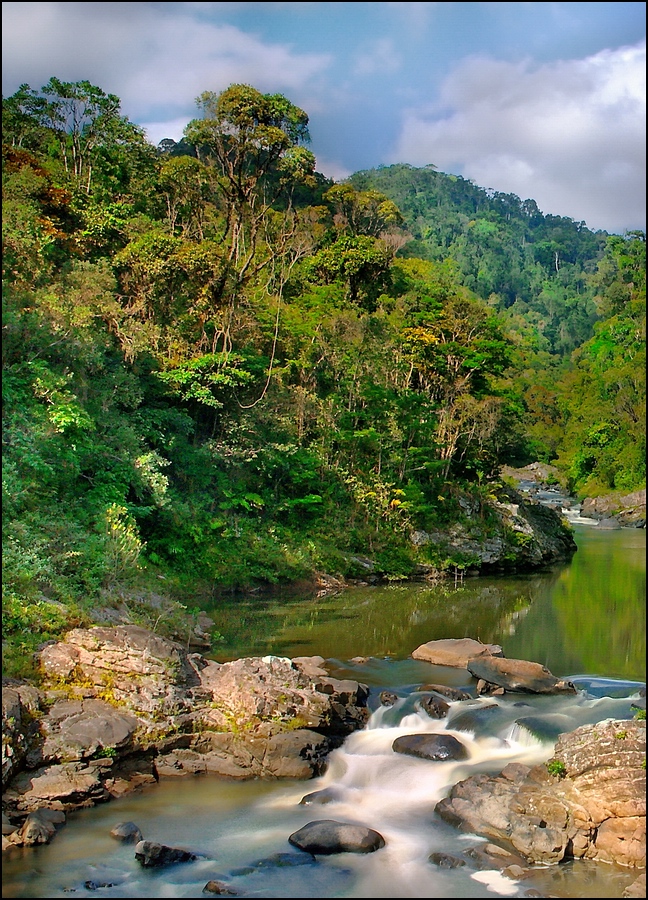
{"x": 219, "y": 366}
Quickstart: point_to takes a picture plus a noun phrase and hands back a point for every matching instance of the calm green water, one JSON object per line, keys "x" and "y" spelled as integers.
{"x": 587, "y": 616}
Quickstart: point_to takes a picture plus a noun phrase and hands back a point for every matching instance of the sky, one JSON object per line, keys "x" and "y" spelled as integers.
{"x": 543, "y": 100}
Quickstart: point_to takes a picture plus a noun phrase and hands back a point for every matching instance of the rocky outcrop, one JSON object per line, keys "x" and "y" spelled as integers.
{"x": 122, "y": 707}
{"x": 523, "y": 535}
{"x": 627, "y": 510}
{"x": 588, "y": 802}
{"x": 21, "y": 709}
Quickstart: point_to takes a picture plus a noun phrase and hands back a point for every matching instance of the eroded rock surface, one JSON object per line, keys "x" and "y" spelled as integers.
{"x": 122, "y": 707}
{"x": 593, "y": 808}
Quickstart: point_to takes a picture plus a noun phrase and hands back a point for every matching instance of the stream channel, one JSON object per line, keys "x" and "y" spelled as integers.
{"x": 584, "y": 620}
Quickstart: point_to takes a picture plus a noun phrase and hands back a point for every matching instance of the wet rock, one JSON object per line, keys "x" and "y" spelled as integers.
{"x": 491, "y": 856}
{"x": 434, "y": 707}
{"x": 449, "y": 693}
{"x": 276, "y": 861}
{"x": 220, "y": 888}
{"x": 436, "y": 747}
{"x": 593, "y": 809}
{"x": 326, "y": 795}
{"x": 150, "y": 854}
{"x": 328, "y": 836}
{"x": 388, "y": 698}
{"x": 518, "y": 675}
{"x": 127, "y": 832}
{"x": 547, "y": 727}
{"x": 38, "y": 828}
{"x": 637, "y": 888}
{"x": 454, "y": 652}
{"x": 478, "y": 717}
{"x": 446, "y": 861}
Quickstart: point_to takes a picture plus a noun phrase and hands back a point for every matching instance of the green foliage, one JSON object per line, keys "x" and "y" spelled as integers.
{"x": 218, "y": 365}
{"x": 556, "y": 768}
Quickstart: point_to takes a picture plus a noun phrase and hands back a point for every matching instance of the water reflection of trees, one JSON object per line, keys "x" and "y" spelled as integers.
{"x": 587, "y": 616}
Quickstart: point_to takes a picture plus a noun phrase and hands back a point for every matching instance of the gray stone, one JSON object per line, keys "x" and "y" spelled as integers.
{"x": 127, "y": 832}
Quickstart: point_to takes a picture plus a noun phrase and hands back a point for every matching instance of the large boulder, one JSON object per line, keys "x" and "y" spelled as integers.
{"x": 127, "y": 665}
{"x": 454, "y": 652}
{"x": 518, "y": 675}
{"x": 588, "y": 802}
{"x": 327, "y": 836}
{"x": 437, "y": 747}
{"x": 85, "y": 729}
{"x": 278, "y": 690}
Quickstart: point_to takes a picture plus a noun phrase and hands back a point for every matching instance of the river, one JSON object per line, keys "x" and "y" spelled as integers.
{"x": 584, "y": 620}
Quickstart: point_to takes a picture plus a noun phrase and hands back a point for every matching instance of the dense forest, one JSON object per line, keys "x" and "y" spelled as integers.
{"x": 222, "y": 368}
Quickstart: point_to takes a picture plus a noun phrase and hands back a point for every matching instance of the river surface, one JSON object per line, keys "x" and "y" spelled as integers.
{"x": 584, "y": 620}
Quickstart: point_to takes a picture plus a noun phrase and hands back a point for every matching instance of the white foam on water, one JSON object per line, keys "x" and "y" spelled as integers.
{"x": 496, "y": 882}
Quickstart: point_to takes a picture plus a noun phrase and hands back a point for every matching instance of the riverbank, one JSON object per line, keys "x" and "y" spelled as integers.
{"x": 123, "y": 709}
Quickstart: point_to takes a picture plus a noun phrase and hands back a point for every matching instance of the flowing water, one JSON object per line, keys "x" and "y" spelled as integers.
{"x": 584, "y": 620}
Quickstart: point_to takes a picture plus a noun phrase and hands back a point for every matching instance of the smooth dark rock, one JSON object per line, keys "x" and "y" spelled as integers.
{"x": 434, "y": 707}
{"x": 151, "y": 854}
{"x": 546, "y": 728}
{"x": 436, "y": 747}
{"x": 328, "y": 836}
{"x": 326, "y": 795}
{"x": 220, "y": 888}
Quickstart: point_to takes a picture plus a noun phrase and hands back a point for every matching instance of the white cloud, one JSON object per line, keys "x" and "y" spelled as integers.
{"x": 154, "y": 56}
{"x": 172, "y": 128}
{"x": 570, "y": 135}
{"x": 332, "y": 168}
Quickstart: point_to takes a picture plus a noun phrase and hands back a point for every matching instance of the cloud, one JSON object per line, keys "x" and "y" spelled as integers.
{"x": 380, "y": 57}
{"x": 332, "y": 168}
{"x": 156, "y": 57}
{"x": 570, "y": 134}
